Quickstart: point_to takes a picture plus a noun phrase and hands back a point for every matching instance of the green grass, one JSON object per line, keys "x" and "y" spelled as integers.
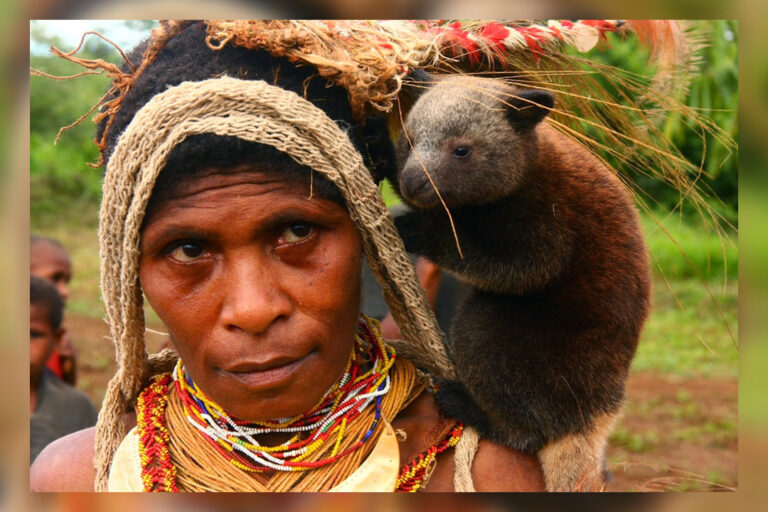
{"x": 693, "y": 325}
{"x": 683, "y": 249}
{"x": 685, "y": 334}
{"x": 635, "y": 442}
{"x": 720, "y": 433}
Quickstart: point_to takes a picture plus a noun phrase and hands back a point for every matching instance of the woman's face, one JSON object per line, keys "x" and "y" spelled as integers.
{"x": 259, "y": 287}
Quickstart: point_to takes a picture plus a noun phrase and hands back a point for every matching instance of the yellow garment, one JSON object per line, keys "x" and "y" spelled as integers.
{"x": 378, "y": 473}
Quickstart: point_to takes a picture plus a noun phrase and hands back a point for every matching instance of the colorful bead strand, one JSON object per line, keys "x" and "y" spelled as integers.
{"x": 413, "y": 474}
{"x": 157, "y": 470}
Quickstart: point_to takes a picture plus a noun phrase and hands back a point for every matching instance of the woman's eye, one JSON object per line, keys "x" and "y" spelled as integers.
{"x": 296, "y": 232}
{"x": 187, "y": 252}
{"x": 462, "y": 151}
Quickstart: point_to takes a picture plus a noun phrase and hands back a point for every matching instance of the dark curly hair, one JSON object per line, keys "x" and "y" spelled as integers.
{"x": 186, "y": 57}
{"x": 44, "y": 294}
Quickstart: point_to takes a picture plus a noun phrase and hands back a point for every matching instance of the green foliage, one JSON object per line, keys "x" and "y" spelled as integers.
{"x": 713, "y": 92}
{"x": 61, "y": 182}
{"x": 388, "y": 193}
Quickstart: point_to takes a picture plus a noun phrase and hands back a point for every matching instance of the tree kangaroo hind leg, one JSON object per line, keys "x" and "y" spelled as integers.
{"x": 574, "y": 463}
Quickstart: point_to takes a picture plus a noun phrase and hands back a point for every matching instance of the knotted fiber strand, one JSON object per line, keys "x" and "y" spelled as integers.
{"x": 258, "y": 112}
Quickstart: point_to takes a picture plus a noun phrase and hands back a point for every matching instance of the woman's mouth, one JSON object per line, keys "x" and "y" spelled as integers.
{"x": 267, "y": 374}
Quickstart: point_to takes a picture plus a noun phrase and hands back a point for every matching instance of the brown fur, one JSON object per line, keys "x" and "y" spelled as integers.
{"x": 556, "y": 259}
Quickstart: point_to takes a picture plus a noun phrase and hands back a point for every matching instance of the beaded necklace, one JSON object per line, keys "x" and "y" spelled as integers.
{"x": 357, "y": 389}
{"x": 414, "y": 475}
{"x": 158, "y": 471}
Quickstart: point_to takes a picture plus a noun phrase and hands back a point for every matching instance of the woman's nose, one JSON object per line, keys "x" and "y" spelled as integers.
{"x": 253, "y": 296}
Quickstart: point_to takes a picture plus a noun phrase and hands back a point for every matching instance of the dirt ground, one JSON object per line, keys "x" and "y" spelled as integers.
{"x": 677, "y": 434}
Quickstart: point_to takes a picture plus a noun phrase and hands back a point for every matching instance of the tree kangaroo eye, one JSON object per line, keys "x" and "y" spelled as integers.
{"x": 462, "y": 151}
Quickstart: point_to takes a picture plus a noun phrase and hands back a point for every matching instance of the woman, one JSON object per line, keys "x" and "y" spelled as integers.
{"x": 252, "y": 260}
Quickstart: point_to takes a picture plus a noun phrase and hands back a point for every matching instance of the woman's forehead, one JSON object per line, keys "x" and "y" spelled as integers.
{"x": 249, "y": 192}
{"x": 211, "y": 179}
{"x": 192, "y": 187}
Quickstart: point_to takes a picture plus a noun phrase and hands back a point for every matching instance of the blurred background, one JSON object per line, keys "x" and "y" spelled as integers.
{"x": 681, "y": 428}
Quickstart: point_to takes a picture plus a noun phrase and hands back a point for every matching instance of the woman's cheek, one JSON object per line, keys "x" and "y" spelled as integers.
{"x": 323, "y": 280}
{"x": 341, "y": 273}
{"x": 180, "y": 299}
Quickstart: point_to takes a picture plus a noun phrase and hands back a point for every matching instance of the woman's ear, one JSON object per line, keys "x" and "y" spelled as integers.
{"x": 527, "y": 108}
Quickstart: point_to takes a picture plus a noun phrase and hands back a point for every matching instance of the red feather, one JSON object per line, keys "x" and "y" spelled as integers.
{"x": 531, "y": 35}
{"x": 458, "y": 38}
{"x": 495, "y": 34}
{"x": 602, "y": 25}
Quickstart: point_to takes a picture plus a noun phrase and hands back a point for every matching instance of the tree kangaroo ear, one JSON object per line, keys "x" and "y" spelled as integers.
{"x": 529, "y": 107}
{"x": 417, "y": 82}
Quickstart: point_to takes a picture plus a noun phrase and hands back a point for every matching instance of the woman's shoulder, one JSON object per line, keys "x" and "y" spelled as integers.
{"x": 497, "y": 468}
{"x": 65, "y": 465}
{"x": 494, "y": 468}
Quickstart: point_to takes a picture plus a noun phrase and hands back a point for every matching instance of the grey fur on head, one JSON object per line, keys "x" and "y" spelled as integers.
{"x": 460, "y": 126}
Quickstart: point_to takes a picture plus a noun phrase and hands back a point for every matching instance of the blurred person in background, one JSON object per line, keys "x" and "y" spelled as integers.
{"x": 56, "y": 408}
{"x": 49, "y": 260}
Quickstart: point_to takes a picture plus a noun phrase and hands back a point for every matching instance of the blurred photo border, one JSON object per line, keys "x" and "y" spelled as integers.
{"x": 753, "y": 243}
